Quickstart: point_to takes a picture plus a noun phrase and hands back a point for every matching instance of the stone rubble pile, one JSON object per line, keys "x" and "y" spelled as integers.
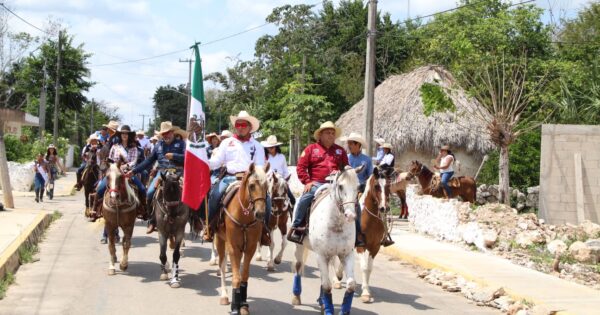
{"x": 568, "y": 251}
{"x": 21, "y": 176}
{"x": 522, "y": 200}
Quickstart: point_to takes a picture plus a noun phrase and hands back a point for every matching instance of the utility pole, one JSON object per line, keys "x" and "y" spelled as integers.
{"x": 57, "y": 87}
{"x": 370, "y": 77}
{"x": 189, "y": 89}
{"x": 42, "y": 112}
{"x": 92, "y": 117}
{"x": 144, "y": 120}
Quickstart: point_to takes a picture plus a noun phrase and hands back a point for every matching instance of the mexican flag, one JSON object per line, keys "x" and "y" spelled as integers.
{"x": 196, "y": 174}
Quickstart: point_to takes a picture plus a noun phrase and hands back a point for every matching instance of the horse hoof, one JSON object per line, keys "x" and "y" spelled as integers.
{"x": 164, "y": 276}
{"x": 224, "y": 301}
{"x": 270, "y": 268}
{"x": 366, "y": 298}
{"x": 296, "y": 300}
{"x": 337, "y": 285}
{"x": 277, "y": 261}
{"x": 111, "y": 272}
{"x": 212, "y": 262}
{"x": 259, "y": 258}
{"x": 175, "y": 285}
{"x": 123, "y": 266}
{"x": 244, "y": 310}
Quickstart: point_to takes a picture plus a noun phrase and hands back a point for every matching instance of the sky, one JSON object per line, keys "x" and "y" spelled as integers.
{"x": 115, "y": 31}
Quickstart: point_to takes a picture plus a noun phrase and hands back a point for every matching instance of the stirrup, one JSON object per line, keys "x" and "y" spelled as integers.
{"x": 387, "y": 241}
{"x": 296, "y": 235}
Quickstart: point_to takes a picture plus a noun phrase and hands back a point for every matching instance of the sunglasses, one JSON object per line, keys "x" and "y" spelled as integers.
{"x": 241, "y": 125}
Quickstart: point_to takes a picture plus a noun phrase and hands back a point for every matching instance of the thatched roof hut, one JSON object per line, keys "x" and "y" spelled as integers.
{"x": 399, "y": 116}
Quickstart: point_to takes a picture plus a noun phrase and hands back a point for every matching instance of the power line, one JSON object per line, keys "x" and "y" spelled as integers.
{"x": 25, "y": 21}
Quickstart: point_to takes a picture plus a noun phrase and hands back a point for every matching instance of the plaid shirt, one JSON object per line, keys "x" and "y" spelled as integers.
{"x": 130, "y": 154}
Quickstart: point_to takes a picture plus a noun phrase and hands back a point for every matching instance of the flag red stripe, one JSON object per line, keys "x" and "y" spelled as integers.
{"x": 196, "y": 180}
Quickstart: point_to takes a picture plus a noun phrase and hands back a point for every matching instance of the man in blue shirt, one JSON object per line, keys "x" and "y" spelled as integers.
{"x": 356, "y": 158}
{"x": 378, "y": 147}
{"x": 169, "y": 153}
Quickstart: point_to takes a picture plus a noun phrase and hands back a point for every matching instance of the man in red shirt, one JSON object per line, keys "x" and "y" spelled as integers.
{"x": 318, "y": 160}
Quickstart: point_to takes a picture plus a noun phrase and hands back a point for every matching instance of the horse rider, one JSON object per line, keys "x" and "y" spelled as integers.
{"x": 277, "y": 162}
{"x": 378, "y": 143}
{"x": 92, "y": 145}
{"x": 388, "y": 161}
{"x": 318, "y": 160}
{"x": 445, "y": 159}
{"x": 235, "y": 154}
{"x": 169, "y": 153}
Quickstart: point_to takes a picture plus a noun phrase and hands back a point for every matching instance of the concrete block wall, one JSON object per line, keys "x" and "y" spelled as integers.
{"x": 558, "y": 177}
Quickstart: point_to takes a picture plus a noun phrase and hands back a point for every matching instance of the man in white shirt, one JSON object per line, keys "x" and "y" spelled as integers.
{"x": 235, "y": 154}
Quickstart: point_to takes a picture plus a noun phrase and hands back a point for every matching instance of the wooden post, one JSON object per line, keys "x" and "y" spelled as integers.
{"x": 579, "y": 188}
{"x": 370, "y": 76}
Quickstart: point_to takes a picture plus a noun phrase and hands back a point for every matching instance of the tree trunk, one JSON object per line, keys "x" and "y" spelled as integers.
{"x": 4, "y": 177}
{"x": 503, "y": 176}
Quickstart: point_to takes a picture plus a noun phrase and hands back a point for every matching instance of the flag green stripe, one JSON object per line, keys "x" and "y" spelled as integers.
{"x": 197, "y": 81}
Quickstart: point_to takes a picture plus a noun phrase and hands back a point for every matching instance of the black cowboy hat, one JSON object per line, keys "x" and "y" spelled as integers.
{"x": 126, "y": 129}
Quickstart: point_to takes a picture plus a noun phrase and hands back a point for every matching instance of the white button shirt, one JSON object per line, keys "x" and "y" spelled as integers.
{"x": 235, "y": 155}
{"x": 387, "y": 159}
{"x": 255, "y": 151}
{"x": 278, "y": 164}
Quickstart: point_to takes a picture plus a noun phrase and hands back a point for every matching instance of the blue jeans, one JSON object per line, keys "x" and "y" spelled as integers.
{"x": 152, "y": 188}
{"x": 445, "y": 178}
{"x": 101, "y": 188}
{"x": 39, "y": 182}
{"x": 81, "y": 167}
{"x": 303, "y": 205}
{"x": 217, "y": 192}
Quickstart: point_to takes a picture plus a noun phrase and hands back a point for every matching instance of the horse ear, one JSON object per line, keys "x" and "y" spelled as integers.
{"x": 267, "y": 167}
{"x": 251, "y": 168}
{"x": 162, "y": 175}
{"x": 288, "y": 177}
{"x": 359, "y": 169}
{"x": 376, "y": 172}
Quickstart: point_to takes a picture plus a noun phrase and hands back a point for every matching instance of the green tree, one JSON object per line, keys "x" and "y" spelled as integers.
{"x": 170, "y": 103}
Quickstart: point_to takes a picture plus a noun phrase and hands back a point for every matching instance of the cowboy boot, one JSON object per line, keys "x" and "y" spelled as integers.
{"x": 265, "y": 237}
{"x": 387, "y": 240}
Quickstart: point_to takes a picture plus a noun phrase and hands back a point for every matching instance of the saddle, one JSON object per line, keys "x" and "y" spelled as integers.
{"x": 436, "y": 182}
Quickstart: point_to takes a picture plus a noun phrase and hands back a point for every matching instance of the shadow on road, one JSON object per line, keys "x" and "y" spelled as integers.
{"x": 388, "y": 296}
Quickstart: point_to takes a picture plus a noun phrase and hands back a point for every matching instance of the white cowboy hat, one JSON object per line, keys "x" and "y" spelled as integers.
{"x": 166, "y": 126}
{"x": 140, "y": 133}
{"x": 225, "y": 134}
{"x": 243, "y": 115}
{"x": 93, "y": 136}
{"x": 270, "y": 142}
{"x": 154, "y": 138}
{"x": 387, "y": 146}
{"x": 112, "y": 125}
{"x": 327, "y": 125}
{"x": 379, "y": 141}
{"x": 211, "y": 135}
{"x": 445, "y": 148}
{"x": 356, "y": 137}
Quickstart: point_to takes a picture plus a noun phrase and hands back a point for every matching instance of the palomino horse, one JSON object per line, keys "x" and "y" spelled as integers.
{"x": 171, "y": 219}
{"x": 89, "y": 177}
{"x": 463, "y": 186}
{"x": 118, "y": 208}
{"x": 373, "y": 203}
{"x": 331, "y": 234}
{"x": 278, "y": 188}
{"x": 240, "y": 233}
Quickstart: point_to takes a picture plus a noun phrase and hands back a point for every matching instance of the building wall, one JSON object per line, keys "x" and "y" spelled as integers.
{"x": 12, "y": 128}
{"x": 469, "y": 162}
{"x": 570, "y": 174}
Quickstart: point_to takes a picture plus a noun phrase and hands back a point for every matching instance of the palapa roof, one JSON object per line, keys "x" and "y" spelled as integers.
{"x": 399, "y": 119}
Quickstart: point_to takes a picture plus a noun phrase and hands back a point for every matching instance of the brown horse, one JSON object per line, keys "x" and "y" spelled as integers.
{"x": 397, "y": 183}
{"x": 89, "y": 177}
{"x": 278, "y": 188}
{"x": 462, "y": 186}
{"x": 119, "y": 210}
{"x": 240, "y": 233}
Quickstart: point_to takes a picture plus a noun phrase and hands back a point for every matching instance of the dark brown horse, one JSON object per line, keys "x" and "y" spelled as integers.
{"x": 89, "y": 177}
{"x": 278, "y": 189}
{"x": 462, "y": 186}
{"x": 119, "y": 210}
{"x": 240, "y": 233}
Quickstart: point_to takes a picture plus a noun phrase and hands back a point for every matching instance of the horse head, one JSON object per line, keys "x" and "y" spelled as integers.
{"x": 345, "y": 191}
{"x": 171, "y": 191}
{"x": 376, "y": 193}
{"x": 415, "y": 168}
{"x": 254, "y": 189}
{"x": 116, "y": 182}
{"x": 278, "y": 191}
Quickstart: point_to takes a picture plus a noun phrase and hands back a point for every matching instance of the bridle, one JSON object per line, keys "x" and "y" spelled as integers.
{"x": 337, "y": 198}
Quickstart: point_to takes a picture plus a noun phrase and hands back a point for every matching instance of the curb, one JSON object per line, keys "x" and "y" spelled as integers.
{"x": 428, "y": 264}
{"x": 9, "y": 259}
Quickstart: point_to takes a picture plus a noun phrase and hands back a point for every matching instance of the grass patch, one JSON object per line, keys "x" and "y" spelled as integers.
{"x": 26, "y": 254}
{"x": 597, "y": 268}
{"x": 567, "y": 258}
{"x": 55, "y": 216}
{"x": 540, "y": 255}
{"x": 4, "y": 283}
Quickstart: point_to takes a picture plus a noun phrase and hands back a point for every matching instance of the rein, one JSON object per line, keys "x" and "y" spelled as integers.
{"x": 245, "y": 212}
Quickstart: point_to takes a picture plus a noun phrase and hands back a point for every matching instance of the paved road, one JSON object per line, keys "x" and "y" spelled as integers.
{"x": 71, "y": 278}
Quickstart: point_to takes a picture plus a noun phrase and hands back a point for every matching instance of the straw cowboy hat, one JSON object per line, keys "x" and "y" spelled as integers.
{"x": 126, "y": 129}
{"x": 51, "y": 146}
{"x": 270, "y": 142}
{"x": 379, "y": 141}
{"x": 243, "y": 115}
{"x": 225, "y": 134}
{"x": 154, "y": 138}
{"x": 180, "y": 132}
{"x": 212, "y": 135}
{"x": 445, "y": 148}
{"x": 92, "y": 137}
{"x": 327, "y": 125}
{"x": 165, "y": 127}
{"x": 113, "y": 125}
{"x": 387, "y": 146}
{"x": 356, "y": 137}
{"x": 140, "y": 133}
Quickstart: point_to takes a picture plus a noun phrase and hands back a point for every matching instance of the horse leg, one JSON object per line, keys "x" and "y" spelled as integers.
{"x": 366, "y": 265}
{"x": 126, "y": 244}
{"x": 259, "y": 252}
{"x": 235, "y": 258}
{"x": 175, "y": 282}
{"x": 348, "y": 263}
{"x": 220, "y": 247}
{"x": 111, "y": 249}
{"x": 283, "y": 229}
{"x": 301, "y": 255}
{"x": 164, "y": 275}
{"x": 339, "y": 273}
{"x": 244, "y": 307}
{"x": 270, "y": 264}
{"x": 213, "y": 255}
{"x": 325, "y": 299}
